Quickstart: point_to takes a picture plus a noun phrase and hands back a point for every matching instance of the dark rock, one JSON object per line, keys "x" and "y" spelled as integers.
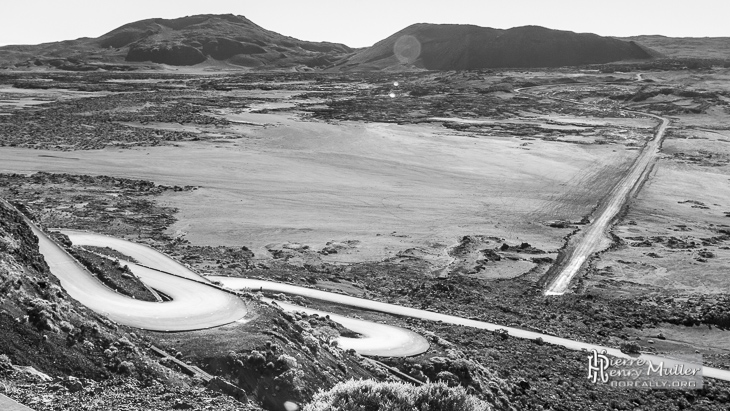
{"x": 223, "y": 48}
{"x": 182, "y": 405}
{"x": 176, "y": 55}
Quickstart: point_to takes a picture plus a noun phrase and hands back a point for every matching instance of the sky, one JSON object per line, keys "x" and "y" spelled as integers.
{"x": 358, "y": 23}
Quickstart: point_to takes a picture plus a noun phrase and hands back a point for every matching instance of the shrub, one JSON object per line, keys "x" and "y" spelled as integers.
{"x": 286, "y": 362}
{"x": 126, "y": 367}
{"x": 630, "y": 347}
{"x": 448, "y": 377}
{"x": 310, "y": 341}
{"x": 392, "y": 396}
{"x": 66, "y": 326}
{"x": 304, "y": 325}
{"x": 5, "y": 363}
{"x": 256, "y": 358}
{"x": 326, "y": 334}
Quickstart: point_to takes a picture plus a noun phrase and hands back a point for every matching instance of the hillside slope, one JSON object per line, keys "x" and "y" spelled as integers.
{"x": 273, "y": 358}
{"x": 185, "y": 41}
{"x": 466, "y": 47}
{"x": 55, "y": 354}
{"x": 686, "y": 47}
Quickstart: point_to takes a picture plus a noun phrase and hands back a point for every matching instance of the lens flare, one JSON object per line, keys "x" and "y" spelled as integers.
{"x": 407, "y": 49}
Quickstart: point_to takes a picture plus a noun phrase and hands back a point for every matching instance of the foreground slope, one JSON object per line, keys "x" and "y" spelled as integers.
{"x": 466, "y": 47}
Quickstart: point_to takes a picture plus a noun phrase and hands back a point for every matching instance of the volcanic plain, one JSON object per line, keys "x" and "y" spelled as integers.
{"x": 448, "y": 191}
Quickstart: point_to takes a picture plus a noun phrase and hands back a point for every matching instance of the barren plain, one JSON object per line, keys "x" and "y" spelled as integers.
{"x": 453, "y": 192}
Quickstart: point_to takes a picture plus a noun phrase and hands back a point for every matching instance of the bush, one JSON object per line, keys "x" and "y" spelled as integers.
{"x": 630, "y": 347}
{"x": 5, "y": 363}
{"x": 256, "y": 358}
{"x": 392, "y": 396}
{"x": 126, "y": 367}
{"x": 286, "y": 362}
{"x": 310, "y": 342}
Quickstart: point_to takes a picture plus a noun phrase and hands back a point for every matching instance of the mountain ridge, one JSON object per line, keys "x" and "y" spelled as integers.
{"x": 236, "y": 42}
{"x": 464, "y": 47}
{"x": 185, "y": 41}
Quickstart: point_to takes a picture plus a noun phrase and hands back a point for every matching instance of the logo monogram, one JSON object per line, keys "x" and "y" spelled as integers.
{"x": 597, "y": 364}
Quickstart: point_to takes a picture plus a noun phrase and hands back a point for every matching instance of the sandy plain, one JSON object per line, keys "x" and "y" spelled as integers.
{"x": 389, "y": 187}
{"x": 684, "y": 200}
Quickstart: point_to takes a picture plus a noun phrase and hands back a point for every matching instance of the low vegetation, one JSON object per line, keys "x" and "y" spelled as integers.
{"x": 394, "y": 396}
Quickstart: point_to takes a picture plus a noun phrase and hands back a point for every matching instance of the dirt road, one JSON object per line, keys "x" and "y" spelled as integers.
{"x": 594, "y": 237}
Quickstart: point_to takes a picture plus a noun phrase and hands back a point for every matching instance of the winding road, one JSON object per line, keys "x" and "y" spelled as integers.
{"x": 195, "y": 298}
{"x": 197, "y": 303}
{"x": 193, "y": 306}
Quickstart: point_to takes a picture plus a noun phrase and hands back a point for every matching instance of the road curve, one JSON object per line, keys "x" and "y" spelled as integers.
{"x": 252, "y": 284}
{"x": 377, "y": 339}
{"x": 193, "y": 306}
{"x": 145, "y": 255}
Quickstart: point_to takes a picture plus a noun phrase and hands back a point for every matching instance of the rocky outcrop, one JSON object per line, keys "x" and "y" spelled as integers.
{"x": 177, "y": 55}
{"x": 222, "y": 48}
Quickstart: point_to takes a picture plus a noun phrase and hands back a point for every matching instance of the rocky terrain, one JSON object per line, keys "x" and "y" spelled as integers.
{"x": 516, "y": 371}
{"x": 277, "y": 358}
{"x": 56, "y": 354}
{"x": 660, "y": 287}
{"x": 123, "y": 111}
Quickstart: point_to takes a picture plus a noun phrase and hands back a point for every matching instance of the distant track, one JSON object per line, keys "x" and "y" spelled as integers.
{"x": 593, "y": 237}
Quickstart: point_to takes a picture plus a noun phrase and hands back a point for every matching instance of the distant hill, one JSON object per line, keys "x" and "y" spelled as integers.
{"x": 464, "y": 47}
{"x": 686, "y": 47}
{"x": 235, "y": 42}
{"x": 186, "y": 41}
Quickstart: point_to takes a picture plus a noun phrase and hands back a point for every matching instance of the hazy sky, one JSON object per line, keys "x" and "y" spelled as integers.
{"x": 361, "y": 23}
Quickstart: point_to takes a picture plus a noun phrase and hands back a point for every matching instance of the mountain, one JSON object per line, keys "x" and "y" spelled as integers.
{"x": 686, "y": 47}
{"x": 464, "y": 47}
{"x": 185, "y": 41}
{"x": 236, "y": 42}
